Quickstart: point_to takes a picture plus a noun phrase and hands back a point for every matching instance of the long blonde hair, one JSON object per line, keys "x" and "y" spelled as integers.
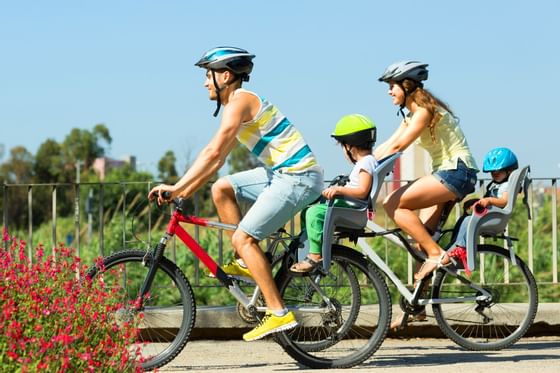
{"x": 424, "y": 98}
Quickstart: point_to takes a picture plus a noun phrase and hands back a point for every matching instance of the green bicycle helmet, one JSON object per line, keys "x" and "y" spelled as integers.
{"x": 355, "y": 129}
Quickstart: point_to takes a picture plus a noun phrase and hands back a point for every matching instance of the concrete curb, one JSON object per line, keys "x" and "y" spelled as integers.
{"x": 224, "y": 323}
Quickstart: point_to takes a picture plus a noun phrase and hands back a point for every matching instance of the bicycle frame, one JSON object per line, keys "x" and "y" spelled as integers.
{"x": 175, "y": 229}
{"x": 412, "y": 297}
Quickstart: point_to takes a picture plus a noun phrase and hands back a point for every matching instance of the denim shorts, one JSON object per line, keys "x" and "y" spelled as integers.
{"x": 276, "y": 197}
{"x": 461, "y": 181}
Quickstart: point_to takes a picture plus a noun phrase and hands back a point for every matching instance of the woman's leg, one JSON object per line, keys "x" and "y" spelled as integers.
{"x": 424, "y": 193}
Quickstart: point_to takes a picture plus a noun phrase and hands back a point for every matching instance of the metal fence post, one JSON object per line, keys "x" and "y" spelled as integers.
{"x": 30, "y": 222}
{"x": 530, "y": 229}
{"x": 554, "y": 233}
{"x": 101, "y": 222}
{"x": 5, "y": 206}
{"x": 77, "y": 218}
{"x": 53, "y": 231}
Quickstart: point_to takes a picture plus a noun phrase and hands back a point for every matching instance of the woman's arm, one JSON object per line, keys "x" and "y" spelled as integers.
{"x": 405, "y": 134}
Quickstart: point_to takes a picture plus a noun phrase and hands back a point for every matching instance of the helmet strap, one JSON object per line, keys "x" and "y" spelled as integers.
{"x": 407, "y": 94}
{"x": 218, "y": 91}
{"x": 348, "y": 153}
{"x": 402, "y": 106}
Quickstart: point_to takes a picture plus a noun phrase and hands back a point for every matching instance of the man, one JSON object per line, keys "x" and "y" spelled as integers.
{"x": 290, "y": 179}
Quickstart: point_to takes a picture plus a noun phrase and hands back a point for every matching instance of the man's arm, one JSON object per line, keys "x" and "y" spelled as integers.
{"x": 214, "y": 154}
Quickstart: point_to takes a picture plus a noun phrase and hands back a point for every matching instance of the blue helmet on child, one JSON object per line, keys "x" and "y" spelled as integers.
{"x": 499, "y": 159}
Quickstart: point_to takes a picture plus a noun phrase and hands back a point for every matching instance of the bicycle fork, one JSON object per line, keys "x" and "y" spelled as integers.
{"x": 152, "y": 258}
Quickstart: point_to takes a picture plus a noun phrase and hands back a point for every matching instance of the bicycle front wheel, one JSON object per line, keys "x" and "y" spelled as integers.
{"x": 168, "y": 312}
{"x": 343, "y": 316}
{"x": 494, "y": 323}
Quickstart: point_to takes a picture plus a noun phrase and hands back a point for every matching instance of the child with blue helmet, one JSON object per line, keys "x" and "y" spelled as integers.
{"x": 500, "y": 162}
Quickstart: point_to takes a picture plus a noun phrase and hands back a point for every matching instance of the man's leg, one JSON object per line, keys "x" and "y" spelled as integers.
{"x": 223, "y": 196}
{"x": 277, "y": 318}
{"x": 248, "y": 249}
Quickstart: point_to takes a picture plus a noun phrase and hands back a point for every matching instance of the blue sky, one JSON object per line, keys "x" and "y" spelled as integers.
{"x": 129, "y": 65}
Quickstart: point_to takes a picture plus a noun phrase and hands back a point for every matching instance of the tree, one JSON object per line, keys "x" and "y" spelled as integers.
{"x": 85, "y": 146}
{"x": 49, "y": 162}
{"x": 18, "y": 169}
{"x": 166, "y": 168}
{"x": 241, "y": 159}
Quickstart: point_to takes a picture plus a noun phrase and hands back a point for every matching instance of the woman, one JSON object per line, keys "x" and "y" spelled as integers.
{"x": 431, "y": 124}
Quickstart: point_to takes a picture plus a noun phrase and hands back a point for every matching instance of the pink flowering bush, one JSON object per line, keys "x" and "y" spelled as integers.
{"x": 52, "y": 321}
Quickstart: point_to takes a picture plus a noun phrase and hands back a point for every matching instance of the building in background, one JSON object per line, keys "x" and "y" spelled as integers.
{"x": 415, "y": 162}
{"x": 102, "y": 165}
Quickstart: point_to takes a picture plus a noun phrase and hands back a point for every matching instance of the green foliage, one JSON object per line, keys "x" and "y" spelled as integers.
{"x": 19, "y": 167}
{"x": 49, "y": 163}
{"x": 241, "y": 159}
{"x": 85, "y": 145}
{"x": 166, "y": 168}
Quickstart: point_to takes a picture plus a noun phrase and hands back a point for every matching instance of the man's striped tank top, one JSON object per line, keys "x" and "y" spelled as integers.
{"x": 275, "y": 141}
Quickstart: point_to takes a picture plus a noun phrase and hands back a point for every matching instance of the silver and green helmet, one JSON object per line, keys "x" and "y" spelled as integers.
{"x": 401, "y": 70}
{"x": 355, "y": 129}
{"x": 237, "y": 60}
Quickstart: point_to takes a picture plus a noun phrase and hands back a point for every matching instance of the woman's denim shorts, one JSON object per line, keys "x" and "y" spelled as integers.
{"x": 461, "y": 181}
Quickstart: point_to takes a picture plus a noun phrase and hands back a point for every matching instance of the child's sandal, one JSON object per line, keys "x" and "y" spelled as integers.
{"x": 306, "y": 265}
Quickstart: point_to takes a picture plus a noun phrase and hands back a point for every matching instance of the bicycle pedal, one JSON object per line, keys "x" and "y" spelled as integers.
{"x": 242, "y": 279}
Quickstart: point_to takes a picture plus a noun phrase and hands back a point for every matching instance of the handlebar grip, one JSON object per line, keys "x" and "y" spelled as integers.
{"x": 166, "y": 195}
{"x": 479, "y": 210}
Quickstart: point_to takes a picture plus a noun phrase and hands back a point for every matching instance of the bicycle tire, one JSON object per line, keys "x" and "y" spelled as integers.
{"x": 321, "y": 339}
{"x": 170, "y": 302}
{"x": 365, "y": 315}
{"x": 499, "y": 323}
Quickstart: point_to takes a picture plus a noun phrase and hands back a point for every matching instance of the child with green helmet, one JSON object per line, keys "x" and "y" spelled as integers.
{"x": 356, "y": 134}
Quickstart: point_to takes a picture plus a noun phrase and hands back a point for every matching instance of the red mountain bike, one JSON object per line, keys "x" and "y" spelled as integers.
{"x": 343, "y": 312}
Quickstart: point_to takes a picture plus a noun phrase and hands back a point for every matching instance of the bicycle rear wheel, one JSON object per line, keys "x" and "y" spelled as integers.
{"x": 491, "y": 324}
{"x": 345, "y": 321}
{"x": 168, "y": 311}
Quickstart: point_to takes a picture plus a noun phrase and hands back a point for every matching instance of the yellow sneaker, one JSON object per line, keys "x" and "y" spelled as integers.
{"x": 235, "y": 270}
{"x": 271, "y": 324}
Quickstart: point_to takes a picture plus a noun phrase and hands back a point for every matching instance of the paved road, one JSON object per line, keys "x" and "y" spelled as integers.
{"x": 540, "y": 355}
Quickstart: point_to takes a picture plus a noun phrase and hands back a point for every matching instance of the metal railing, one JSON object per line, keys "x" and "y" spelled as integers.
{"x": 542, "y": 193}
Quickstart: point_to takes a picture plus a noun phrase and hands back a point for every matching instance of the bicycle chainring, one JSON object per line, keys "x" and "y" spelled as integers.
{"x": 251, "y": 316}
{"x": 409, "y": 308}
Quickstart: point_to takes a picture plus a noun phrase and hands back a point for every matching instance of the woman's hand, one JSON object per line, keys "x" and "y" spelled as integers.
{"x": 157, "y": 192}
{"x": 331, "y": 192}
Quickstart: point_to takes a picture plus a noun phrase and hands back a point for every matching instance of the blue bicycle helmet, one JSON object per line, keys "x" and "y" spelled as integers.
{"x": 236, "y": 60}
{"x": 500, "y": 159}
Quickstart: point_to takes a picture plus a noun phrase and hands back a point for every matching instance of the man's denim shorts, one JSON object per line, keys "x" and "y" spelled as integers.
{"x": 276, "y": 197}
{"x": 461, "y": 181}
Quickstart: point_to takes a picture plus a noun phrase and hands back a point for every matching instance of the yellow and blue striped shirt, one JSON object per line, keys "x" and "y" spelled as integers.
{"x": 275, "y": 141}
